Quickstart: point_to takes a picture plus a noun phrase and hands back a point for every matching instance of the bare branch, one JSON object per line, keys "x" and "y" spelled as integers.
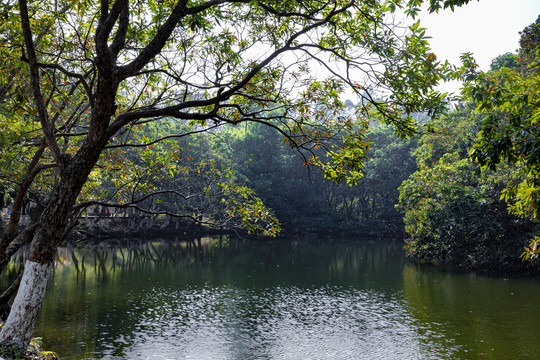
{"x": 120, "y": 37}
{"x": 108, "y": 19}
{"x": 81, "y": 78}
{"x": 156, "y": 44}
{"x": 48, "y": 129}
{"x": 176, "y": 136}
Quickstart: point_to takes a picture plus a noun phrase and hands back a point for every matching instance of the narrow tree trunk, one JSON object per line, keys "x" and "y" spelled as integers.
{"x": 27, "y": 303}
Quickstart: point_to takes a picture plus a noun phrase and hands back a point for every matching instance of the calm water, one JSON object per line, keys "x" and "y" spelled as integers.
{"x": 216, "y": 299}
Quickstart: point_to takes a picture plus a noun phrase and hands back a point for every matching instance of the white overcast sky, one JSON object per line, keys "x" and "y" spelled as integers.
{"x": 486, "y": 28}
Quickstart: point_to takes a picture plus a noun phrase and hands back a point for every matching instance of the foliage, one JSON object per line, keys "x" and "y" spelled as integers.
{"x": 509, "y": 100}
{"x": 274, "y": 173}
{"x": 176, "y": 177}
{"x": 453, "y": 215}
{"x": 204, "y": 79}
{"x": 370, "y": 204}
{"x": 453, "y": 211}
{"x": 435, "y": 5}
{"x": 528, "y": 44}
{"x": 31, "y": 352}
{"x": 507, "y": 60}
{"x": 307, "y": 203}
{"x": 450, "y": 133}
{"x": 97, "y": 76}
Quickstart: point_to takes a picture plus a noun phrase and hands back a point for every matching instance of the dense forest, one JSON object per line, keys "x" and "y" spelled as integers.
{"x": 463, "y": 191}
{"x": 466, "y": 189}
{"x": 473, "y": 202}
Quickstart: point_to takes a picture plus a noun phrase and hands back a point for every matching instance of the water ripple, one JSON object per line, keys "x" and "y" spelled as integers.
{"x": 276, "y": 323}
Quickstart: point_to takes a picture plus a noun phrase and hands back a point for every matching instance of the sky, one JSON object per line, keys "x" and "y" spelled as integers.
{"x": 486, "y": 28}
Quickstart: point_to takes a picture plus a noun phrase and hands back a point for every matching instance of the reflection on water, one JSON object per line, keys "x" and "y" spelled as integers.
{"x": 278, "y": 323}
{"x": 221, "y": 299}
{"x": 495, "y": 318}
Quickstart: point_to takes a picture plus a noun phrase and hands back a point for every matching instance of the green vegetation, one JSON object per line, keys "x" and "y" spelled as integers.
{"x": 31, "y": 352}
{"x": 305, "y": 202}
{"x": 509, "y": 98}
{"x": 482, "y": 214}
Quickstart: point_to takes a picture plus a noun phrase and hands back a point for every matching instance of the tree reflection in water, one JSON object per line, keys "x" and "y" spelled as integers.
{"x": 229, "y": 298}
{"x": 117, "y": 300}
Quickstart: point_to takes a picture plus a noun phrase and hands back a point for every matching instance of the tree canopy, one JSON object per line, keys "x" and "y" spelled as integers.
{"x": 509, "y": 99}
{"x": 474, "y": 202}
{"x": 453, "y": 211}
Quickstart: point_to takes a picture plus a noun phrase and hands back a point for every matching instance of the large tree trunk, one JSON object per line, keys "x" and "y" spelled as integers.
{"x": 54, "y": 220}
{"x": 20, "y": 323}
{"x": 19, "y": 326}
{"x": 72, "y": 171}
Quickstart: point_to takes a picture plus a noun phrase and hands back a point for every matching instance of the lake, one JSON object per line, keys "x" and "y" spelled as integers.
{"x": 280, "y": 299}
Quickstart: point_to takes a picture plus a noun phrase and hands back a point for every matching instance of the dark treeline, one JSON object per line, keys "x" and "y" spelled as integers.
{"x": 246, "y": 179}
{"x": 307, "y": 203}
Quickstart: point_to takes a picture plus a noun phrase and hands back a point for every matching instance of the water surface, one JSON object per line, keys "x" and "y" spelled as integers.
{"x": 229, "y": 299}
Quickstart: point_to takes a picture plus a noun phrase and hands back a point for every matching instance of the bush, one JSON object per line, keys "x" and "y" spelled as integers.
{"x": 454, "y": 215}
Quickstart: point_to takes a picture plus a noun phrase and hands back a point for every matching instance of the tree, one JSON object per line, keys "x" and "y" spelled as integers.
{"x": 507, "y": 60}
{"x": 94, "y": 72}
{"x": 306, "y": 202}
{"x": 508, "y": 98}
{"x": 453, "y": 212}
{"x": 275, "y": 174}
{"x": 177, "y": 178}
{"x": 390, "y": 163}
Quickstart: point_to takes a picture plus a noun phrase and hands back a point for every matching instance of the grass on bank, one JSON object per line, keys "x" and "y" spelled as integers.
{"x": 32, "y": 352}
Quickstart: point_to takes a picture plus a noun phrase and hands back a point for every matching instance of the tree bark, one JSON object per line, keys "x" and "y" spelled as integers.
{"x": 19, "y": 326}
